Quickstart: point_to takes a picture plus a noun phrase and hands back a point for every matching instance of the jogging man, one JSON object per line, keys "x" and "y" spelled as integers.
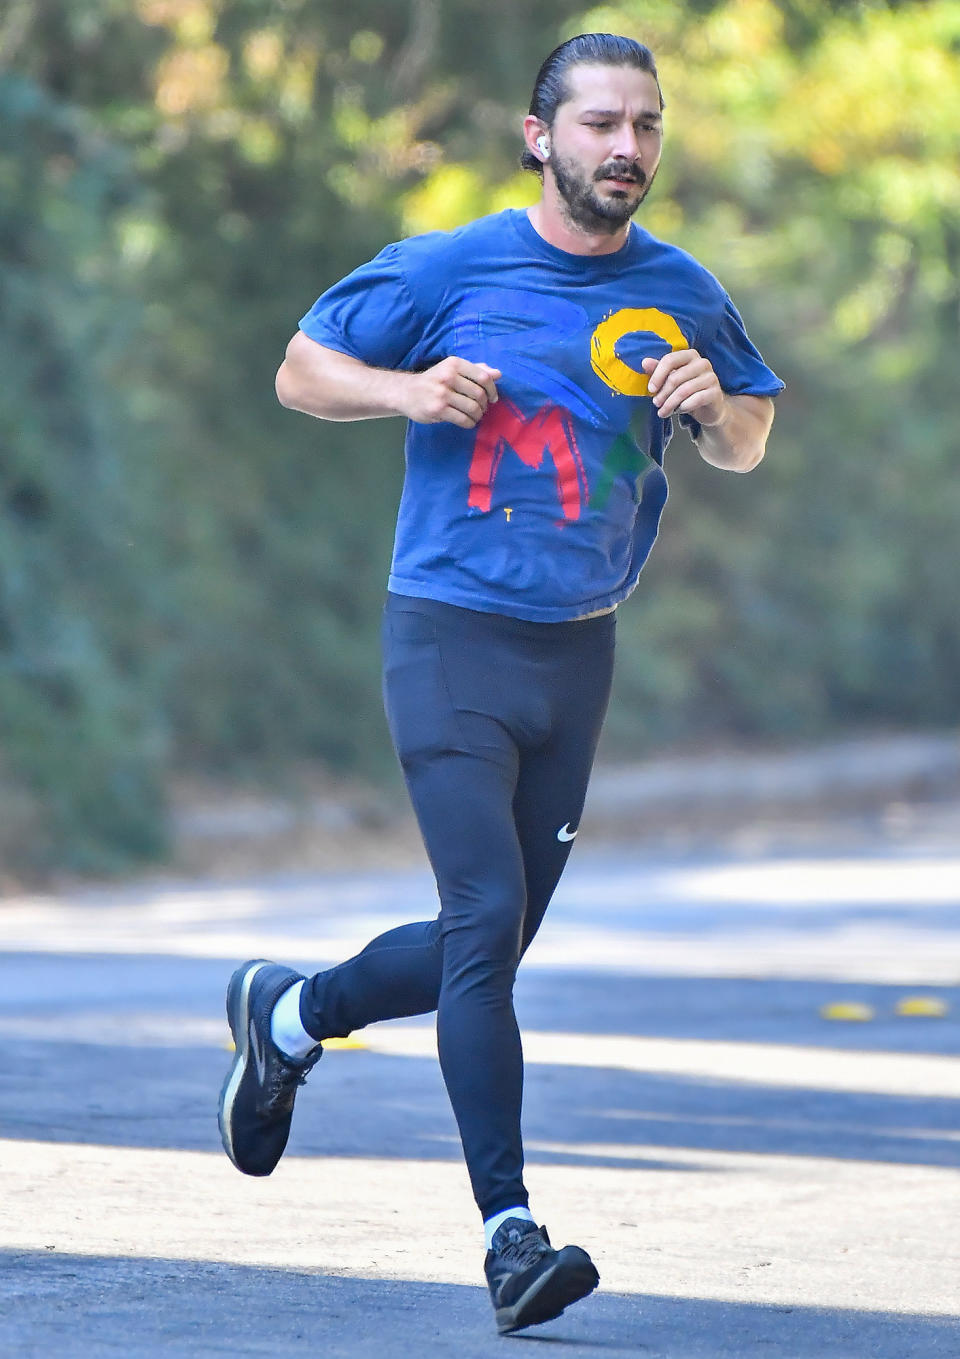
{"x": 539, "y": 358}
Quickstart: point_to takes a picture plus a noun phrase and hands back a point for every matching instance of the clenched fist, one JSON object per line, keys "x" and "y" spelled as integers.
{"x": 453, "y": 390}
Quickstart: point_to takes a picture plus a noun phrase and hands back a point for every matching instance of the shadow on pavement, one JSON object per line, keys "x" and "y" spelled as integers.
{"x": 84, "y": 1073}
{"x": 371, "y": 1104}
{"x": 97, "y": 1306}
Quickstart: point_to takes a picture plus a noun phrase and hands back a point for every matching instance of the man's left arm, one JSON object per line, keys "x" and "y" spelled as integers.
{"x": 733, "y": 428}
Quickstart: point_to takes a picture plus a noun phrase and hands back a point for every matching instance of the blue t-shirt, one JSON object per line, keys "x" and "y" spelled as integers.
{"x": 548, "y": 509}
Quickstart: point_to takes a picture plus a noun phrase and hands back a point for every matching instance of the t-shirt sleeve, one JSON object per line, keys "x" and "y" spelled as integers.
{"x": 370, "y": 315}
{"x": 736, "y": 361}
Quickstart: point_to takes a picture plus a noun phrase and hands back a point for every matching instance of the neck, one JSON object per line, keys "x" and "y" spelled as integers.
{"x": 552, "y": 223}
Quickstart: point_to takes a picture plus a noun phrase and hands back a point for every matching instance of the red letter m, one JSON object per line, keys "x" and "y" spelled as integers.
{"x": 550, "y": 430}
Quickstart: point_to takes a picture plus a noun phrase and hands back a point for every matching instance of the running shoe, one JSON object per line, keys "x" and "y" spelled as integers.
{"x": 256, "y": 1102}
{"x": 531, "y": 1282}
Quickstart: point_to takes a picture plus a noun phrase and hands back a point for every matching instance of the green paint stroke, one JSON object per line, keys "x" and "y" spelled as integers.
{"x": 623, "y": 457}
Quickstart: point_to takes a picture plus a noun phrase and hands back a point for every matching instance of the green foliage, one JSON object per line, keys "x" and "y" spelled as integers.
{"x": 190, "y": 577}
{"x": 75, "y": 697}
{"x": 811, "y": 162}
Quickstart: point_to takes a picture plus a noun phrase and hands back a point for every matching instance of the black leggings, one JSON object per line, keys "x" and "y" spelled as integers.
{"x": 495, "y": 722}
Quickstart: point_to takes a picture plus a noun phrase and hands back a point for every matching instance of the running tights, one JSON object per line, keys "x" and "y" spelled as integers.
{"x": 495, "y": 721}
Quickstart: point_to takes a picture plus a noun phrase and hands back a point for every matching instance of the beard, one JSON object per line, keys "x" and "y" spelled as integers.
{"x": 584, "y": 205}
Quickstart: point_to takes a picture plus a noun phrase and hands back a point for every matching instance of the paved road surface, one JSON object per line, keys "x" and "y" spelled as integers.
{"x": 751, "y": 1179}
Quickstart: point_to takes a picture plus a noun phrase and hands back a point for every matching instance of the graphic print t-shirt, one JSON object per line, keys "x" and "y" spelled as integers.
{"x": 548, "y": 509}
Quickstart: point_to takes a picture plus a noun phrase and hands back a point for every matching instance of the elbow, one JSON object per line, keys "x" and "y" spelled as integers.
{"x": 754, "y": 445}
{"x": 753, "y": 458}
{"x": 284, "y": 387}
{"x": 757, "y": 421}
{"x": 742, "y": 455}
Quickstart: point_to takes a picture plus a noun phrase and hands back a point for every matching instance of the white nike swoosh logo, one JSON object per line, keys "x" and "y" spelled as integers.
{"x": 565, "y": 833}
{"x": 259, "y": 1059}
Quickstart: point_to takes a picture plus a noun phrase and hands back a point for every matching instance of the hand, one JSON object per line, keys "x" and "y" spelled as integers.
{"x": 684, "y": 381}
{"x": 453, "y": 390}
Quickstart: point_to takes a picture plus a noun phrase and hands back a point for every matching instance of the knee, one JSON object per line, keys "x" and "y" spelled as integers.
{"x": 485, "y": 940}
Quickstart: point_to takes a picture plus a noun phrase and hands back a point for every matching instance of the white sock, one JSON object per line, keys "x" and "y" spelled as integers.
{"x": 286, "y": 1030}
{"x": 492, "y": 1223}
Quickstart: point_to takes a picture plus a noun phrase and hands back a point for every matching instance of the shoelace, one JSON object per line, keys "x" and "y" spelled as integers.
{"x": 526, "y": 1249}
{"x": 302, "y": 1071}
{"x": 288, "y": 1075}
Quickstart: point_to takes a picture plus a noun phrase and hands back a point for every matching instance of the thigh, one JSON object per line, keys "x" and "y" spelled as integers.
{"x": 461, "y": 771}
{"x": 552, "y": 779}
{"x": 464, "y": 809}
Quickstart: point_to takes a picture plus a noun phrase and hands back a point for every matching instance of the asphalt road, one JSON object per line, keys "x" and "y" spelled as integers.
{"x": 751, "y": 1178}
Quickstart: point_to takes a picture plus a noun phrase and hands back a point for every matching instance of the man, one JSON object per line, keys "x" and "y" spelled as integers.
{"x": 539, "y": 358}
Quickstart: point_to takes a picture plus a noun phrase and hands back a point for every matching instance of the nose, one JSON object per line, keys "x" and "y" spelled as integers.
{"x": 626, "y": 145}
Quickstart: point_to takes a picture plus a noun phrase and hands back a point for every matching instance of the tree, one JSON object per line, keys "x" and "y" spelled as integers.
{"x": 80, "y": 735}
{"x": 191, "y": 577}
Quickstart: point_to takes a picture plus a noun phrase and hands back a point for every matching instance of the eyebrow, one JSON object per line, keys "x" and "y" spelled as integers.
{"x": 616, "y": 113}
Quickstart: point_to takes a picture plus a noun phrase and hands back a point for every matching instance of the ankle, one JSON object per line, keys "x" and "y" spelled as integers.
{"x": 286, "y": 1026}
{"x": 492, "y": 1224}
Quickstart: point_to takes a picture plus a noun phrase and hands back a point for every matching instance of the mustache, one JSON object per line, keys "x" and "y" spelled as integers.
{"x": 622, "y": 170}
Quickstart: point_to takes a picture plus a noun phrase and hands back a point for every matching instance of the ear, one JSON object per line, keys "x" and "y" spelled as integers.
{"x": 537, "y": 137}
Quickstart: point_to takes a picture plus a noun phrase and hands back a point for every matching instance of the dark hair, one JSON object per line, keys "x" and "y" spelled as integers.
{"x": 596, "y": 49}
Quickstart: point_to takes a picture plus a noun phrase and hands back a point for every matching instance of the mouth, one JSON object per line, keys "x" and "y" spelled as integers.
{"x": 622, "y": 179}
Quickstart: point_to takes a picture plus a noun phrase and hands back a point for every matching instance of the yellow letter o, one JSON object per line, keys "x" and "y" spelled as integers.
{"x": 608, "y": 365}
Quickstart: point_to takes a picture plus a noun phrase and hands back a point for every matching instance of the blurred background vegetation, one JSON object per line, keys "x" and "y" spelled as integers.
{"x": 190, "y": 577}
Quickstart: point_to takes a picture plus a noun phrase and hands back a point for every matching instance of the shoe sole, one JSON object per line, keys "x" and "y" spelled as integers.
{"x": 547, "y": 1298}
{"x": 238, "y": 1017}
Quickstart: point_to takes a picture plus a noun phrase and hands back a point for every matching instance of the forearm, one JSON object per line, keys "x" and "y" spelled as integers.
{"x": 334, "y": 386}
{"x": 738, "y": 440}
{"x": 733, "y": 429}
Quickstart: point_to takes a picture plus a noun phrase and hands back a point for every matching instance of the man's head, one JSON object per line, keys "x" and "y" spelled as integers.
{"x": 594, "y": 128}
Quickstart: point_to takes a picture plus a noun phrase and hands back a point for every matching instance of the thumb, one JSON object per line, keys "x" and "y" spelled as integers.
{"x": 648, "y": 365}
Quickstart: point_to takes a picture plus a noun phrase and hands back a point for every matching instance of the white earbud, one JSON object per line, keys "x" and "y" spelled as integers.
{"x": 543, "y": 146}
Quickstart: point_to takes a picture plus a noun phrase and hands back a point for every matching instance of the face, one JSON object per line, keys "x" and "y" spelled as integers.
{"x": 605, "y": 145}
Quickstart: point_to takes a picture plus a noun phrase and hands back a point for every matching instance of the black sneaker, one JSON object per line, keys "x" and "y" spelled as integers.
{"x": 256, "y": 1102}
{"x": 531, "y": 1282}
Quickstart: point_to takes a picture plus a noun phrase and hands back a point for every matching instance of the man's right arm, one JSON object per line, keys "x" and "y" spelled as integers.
{"x": 335, "y": 386}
